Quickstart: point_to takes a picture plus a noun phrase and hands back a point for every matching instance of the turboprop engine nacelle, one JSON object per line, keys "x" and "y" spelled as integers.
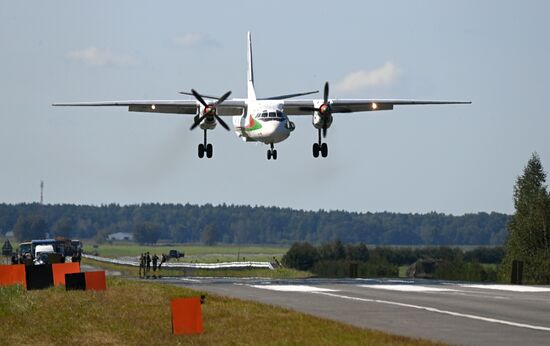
{"x": 322, "y": 116}
{"x": 209, "y": 122}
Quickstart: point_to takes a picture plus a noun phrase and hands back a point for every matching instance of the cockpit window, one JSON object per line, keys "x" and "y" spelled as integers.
{"x": 264, "y": 114}
{"x": 280, "y": 114}
{"x": 272, "y": 115}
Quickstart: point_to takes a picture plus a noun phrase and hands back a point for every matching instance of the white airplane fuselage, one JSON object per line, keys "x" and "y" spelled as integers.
{"x": 263, "y": 121}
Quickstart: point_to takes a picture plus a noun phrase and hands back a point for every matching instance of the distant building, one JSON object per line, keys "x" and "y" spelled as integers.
{"x": 9, "y": 234}
{"x": 120, "y": 236}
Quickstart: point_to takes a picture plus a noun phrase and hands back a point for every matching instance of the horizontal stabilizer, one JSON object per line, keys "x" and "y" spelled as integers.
{"x": 204, "y": 96}
{"x": 288, "y": 96}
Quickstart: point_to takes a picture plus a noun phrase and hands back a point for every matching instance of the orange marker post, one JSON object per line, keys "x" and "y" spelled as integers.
{"x": 186, "y": 316}
{"x": 12, "y": 275}
{"x": 95, "y": 281}
{"x": 60, "y": 269}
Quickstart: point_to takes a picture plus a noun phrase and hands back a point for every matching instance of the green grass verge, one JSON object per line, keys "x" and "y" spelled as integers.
{"x": 195, "y": 252}
{"x": 403, "y": 271}
{"x": 280, "y": 273}
{"x": 137, "y": 313}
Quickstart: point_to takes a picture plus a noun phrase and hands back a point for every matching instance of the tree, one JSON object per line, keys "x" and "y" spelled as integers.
{"x": 529, "y": 227}
{"x": 179, "y": 232}
{"x": 62, "y": 228}
{"x": 358, "y": 252}
{"x": 146, "y": 232}
{"x": 334, "y": 250}
{"x": 301, "y": 256}
{"x": 208, "y": 235}
{"x": 30, "y": 227}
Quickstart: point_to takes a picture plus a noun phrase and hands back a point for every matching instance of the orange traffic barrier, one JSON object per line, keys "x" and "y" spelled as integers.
{"x": 12, "y": 275}
{"x": 186, "y": 316}
{"x": 95, "y": 281}
{"x": 60, "y": 269}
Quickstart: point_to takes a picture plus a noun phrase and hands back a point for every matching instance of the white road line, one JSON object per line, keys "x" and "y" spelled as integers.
{"x": 188, "y": 279}
{"x": 512, "y": 288}
{"x": 409, "y": 288}
{"x": 445, "y": 312}
{"x": 293, "y": 288}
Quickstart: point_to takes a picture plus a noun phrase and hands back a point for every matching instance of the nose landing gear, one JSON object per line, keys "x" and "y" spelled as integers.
{"x": 205, "y": 148}
{"x": 320, "y": 148}
{"x": 272, "y": 153}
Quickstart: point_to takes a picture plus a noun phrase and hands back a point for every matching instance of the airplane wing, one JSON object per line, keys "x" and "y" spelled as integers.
{"x": 228, "y": 107}
{"x": 302, "y": 107}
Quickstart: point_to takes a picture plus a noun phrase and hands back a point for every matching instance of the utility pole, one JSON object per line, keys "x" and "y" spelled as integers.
{"x": 41, "y": 192}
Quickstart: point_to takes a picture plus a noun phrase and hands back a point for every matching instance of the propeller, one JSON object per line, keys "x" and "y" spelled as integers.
{"x": 324, "y": 110}
{"x": 209, "y": 109}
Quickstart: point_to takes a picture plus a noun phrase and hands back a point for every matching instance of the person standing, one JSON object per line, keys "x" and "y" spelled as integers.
{"x": 142, "y": 265}
{"x": 162, "y": 260}
{"x": 148, "y": 262}
{"x": 155, "y": 260}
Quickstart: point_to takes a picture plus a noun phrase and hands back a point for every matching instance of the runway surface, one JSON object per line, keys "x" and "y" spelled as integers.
{"x": 456, "y": 313}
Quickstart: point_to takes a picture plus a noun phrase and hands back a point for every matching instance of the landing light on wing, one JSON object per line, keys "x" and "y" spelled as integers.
{"x": 374, "y": 105}
{"x": 153, "y": 107}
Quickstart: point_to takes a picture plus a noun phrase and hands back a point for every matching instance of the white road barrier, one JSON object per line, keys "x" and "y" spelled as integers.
{"x": 183, "y": 265}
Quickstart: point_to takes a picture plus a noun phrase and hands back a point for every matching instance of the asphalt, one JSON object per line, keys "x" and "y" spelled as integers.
{"x": 442, "y": 311}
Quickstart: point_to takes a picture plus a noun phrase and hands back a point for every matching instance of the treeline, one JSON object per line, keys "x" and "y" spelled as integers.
{"x": 334, "y": 259}
{"x": 259, "y": 225}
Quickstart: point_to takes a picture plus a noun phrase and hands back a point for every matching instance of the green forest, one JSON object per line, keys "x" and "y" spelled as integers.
{"x": 251, "y": 225}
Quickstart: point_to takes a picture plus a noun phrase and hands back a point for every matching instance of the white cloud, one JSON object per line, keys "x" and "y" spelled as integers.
{"x": 357, "y": 80}
{"x": 195, "y": 39}
{"x": 101, "y": 57}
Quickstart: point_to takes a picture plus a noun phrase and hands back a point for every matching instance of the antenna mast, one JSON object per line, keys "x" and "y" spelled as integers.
{"x": 41, "y": 191}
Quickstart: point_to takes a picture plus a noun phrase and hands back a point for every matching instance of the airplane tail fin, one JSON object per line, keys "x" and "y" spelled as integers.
{"x": 250, "y": 72}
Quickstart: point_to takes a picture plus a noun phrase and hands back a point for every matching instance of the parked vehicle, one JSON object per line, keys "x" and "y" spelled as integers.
{"x": 25, "y": 249}
{"x": 43, "y": 253}
{"x": 175, "y": 254}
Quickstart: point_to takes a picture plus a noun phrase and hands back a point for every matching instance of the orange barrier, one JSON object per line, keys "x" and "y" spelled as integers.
{"x": 60, "y": 269}
{"x": 95, "y": 281}
{"x": 186, "y": 316}
{"x": 12, "y": 275}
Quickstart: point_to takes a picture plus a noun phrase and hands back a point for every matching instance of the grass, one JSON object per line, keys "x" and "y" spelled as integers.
{"x": 403, "y": 271}
{"x": 279, "y": 273}
{"x": 137, "y": 313}
{"x": 195, "y": 252}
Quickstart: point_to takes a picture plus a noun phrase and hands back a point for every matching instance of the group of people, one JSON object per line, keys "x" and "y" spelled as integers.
{"x": 145, "y": 261}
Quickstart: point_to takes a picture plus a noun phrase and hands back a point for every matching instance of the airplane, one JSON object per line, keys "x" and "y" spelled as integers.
{"x": 264, "y": 120}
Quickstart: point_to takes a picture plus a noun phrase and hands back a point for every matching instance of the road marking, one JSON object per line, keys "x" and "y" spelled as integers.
{"x": 444, "y": 312}
{"x": 293, "y": 288}
{"x": 188, "y": 279}
{"x": 513, "y": 288}
{"x": 409, "y": 288}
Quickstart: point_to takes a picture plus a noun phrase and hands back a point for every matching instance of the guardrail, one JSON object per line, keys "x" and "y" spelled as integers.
{"x": 183, "y": 265}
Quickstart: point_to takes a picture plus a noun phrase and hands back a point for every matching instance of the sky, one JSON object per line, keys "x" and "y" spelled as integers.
{"x": 415, "y": 159}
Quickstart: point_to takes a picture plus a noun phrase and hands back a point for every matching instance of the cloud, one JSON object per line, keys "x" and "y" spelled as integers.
{"x": 101, "y": 57}
{"x": 357, "y": 80}
{"x": 196, "y": 39}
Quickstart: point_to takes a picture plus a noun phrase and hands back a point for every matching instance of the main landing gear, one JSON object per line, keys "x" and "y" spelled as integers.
{"x": 205, "y": 148}
{"x": 272, "y": 153}
{"x": 320, "y": 148}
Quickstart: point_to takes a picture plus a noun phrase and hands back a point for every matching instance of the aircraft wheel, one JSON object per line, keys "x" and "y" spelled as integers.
{"x": 274, "y": 153}
{"x": 201, "y": 150}
{"x": 324, "y": 150}
{"x": 209, "y": 150}
{"x": 315, "y": 150}
{"x": 269, "y": 154}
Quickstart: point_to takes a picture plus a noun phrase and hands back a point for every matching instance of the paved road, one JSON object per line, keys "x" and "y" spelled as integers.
{"x": 449, "y": 312}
